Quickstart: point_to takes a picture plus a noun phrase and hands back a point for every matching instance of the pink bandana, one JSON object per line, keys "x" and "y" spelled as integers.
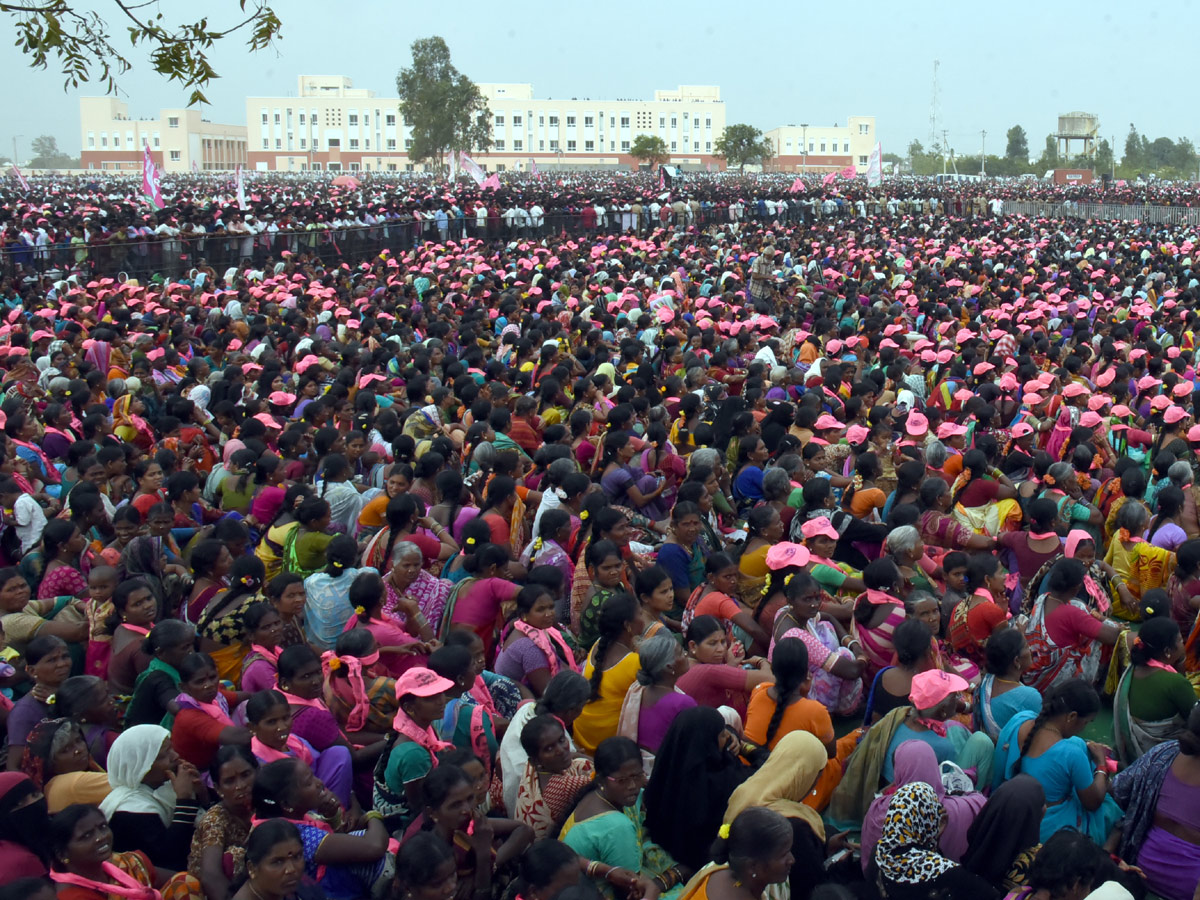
{"x": 545, "y": 640}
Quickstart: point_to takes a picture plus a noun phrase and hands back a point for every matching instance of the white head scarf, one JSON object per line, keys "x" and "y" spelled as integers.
{"x": 130, "y": 758}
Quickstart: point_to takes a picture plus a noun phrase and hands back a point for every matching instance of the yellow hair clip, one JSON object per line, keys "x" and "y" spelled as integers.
{"x": 583, "y": 516}
{"x": 788, "y": 579}
{"x": 359, "y": 611}
{"x": 470, "y": 542}
{"x": 335, "y": 664}
{"x": 723, "y": 832}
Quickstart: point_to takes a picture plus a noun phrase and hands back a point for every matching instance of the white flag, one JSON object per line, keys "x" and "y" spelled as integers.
{"x": 471, "y": 168}
{"x": 241, "y": 189}
{"x": 875, "y": 167}
{"x": 453, "y": 166}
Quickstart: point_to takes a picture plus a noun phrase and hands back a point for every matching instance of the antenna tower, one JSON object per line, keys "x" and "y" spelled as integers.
{"x": 933, "y": 107}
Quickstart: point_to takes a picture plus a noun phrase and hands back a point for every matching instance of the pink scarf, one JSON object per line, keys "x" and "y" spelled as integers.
{"x": 545, "y": 640}
{"x": 880, "y": 598}
{"x": 292, "y": 699}
{"x": 218, "y": 709}
{"x": 937, "y": 726}
{"x": 425, "y": 737}
{"x": 271, "y": 656}
{"x": 1041, "y": 536}
{"x": 1156, "y": 664}
{"x": 297, "y": 749}
{"x": 483, "y": 696}
{"x": 125, "y": 885}
{"x": 137, "y": 629}
{"x": 354, "y": 668}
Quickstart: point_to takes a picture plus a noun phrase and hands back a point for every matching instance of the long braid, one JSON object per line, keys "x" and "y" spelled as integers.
{"x": 790, "y": 665}
{"x": 1042, "y": 718}
{"x": 617, "y": 611}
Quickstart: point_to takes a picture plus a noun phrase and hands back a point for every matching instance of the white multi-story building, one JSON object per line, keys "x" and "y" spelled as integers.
{"x": 829, "y": 148}
{"x": 332, "y": 125}
{"x": 177, "y": 138}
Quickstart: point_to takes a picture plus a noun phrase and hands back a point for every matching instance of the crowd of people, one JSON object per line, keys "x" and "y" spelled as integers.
{"x": 688, "y": 556}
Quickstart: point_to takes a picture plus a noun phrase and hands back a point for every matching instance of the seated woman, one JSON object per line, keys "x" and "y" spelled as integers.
{"x": 716, "y": 597}
{"x": 1073, "y": 772}
{"x": 764, "y": 529}
{"x": 564, "y": 698}
{"x": 346, "y": 865}
{"x": 1000, "y": 694}
{"x": 155, "y": 690}
{"x": 714, "y": 676}
{"x": 938, "y": 527}
{"x": 481, "y": 601}
{"x": 155, "y": 796}
{"x": 1034, "y": 548}
{"x": 203, "y": 722}
{"x": 1160, "y": 794}
{"x": 552, "y": 778}
{"x": 264, "y": 631}
{"x": 877, "y": 612}
{"x": 906, "y": 861}
{"x": 696, "y": 772}
{"x": 357, "y": 691}
{"x": 778, "y": 709}
{"x": 533, "y": 649}
{"x": 221, "y": 627}
{"x": 57, "y": 760}
{"x": 425, "y": 865}
{"x": 1005, "y": 836}
{"x": 481, "y": 844}
{"x": 760, "y": 851}
{"x": 270, "y": 719}
{"x": 653, "y": 701}
{"x": 1153, "y": 699}
{"x": 786, "y": 784}
{"x": 23, "y": 826}
{"x": 835, "y": 668}
{"x": 285, "y": 592}
{"x": 983, "y": 611}
{"x": 48, "y": 663}
{"x": 1065, "y": 637}
{"x": 400, "y": 647}
{"x": 87, "y": 701}
{"x": 328, "y": 607}
{"x": 624, "y": 483}
{"x": 610, "y": 668}
{"x": 87, "y": 865}
{"x": 607, "y": 577}
{"x": 1142, "y": 566}
{"x": 915, "y": 651}
{"x": 934, "y": 701}
{"x": 218, "y": 854}
{"x": 466, "y": 722}
{"x": 415, "y": 598}
{"x": 916, "y": 761}
{"x": 274, "y": 862}
{"x": 135, "y": 610}
{"x": 607, "y": 825}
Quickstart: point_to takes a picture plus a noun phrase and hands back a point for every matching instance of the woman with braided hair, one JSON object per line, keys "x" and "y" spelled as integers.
{"x": 611, "y": 667}
{"x": 1073, "y": 772}
{"x": 778, "y": 709}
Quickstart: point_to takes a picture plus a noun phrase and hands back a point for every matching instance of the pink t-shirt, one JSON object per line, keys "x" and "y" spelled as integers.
{"x": 1065, "y": 625}
{"x": 716, "y": 685}
{"x": 479, "y": 603}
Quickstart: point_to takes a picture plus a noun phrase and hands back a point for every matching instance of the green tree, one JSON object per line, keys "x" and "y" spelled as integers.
{"x": 741, "y": 144}
{"x": 443, "y": 107}
{"x": 1133, "y": 148}
{"x": 1018, "y": 144}
{"x": 1104, "y": 157}
{"x": 1049, "y": 157}
{"x": 82, "y": 47}
{"x": 47, "y": 155}
{"x": 649, "y": 148}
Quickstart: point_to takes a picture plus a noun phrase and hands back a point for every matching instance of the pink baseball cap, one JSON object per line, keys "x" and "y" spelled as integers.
{"x": 1122, "y": 410}
{"x": 1021, "y": 429}
{"x": 1194, "y": 433}
{"x": 421, "y": 682}
{"x": 983, "y": 368}
{"x": 1183, "y": 389}
{"x": 1105, "y": 378}
{"x": 1074, "y": 389}
{"x": 1090, "y": 419}
{"x": 949, "y": 429}
{"x": 281, "y": 398}
{"x": 1174, "y": 414}
{"x": 818, "y": 526}
{"x": 916, "y": 424}
{"x": 1161, "y": 401}
{"x": 786, "y": 554}
{"x": 827, "y": 422}
{"x": 931, "y": 687}
{"x": 856, "y": 434}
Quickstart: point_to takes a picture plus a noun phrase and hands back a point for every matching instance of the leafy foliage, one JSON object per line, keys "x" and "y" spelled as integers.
{"x": 443, "y": 108}
{"x": 649, "y": 148}
{"x": 47, "y": 155}
{"x": 1017, "y": 146}
{"x": 82, "y": 46}
{"x": 741, "y": 144}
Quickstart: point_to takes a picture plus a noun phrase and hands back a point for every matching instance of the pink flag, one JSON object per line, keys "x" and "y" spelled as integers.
{"x": 471, "y": 168}
{"x": 708, "y": 167}
{"x": 241, "y": 188}
{"x": 20, "y": 178}
{"x": 195, "y": 167}
{"x": 797, "y": 186}
{"x": 828, "y": 179}
{"x": 492, "y": 181}
{"x": 533, "y": 165}
{"x": 662, "y": 178}
{"x": 849, "y": 172}
{"x": 150, "y": 182}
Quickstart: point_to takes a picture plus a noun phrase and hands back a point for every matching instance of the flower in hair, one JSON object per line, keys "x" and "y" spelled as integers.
{"x": 335, "y": 664}
{"x": 359, "y": 611}
{"x": 723, "y": 832}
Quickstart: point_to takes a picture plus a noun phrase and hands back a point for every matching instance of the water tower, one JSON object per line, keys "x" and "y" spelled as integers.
{"x": 1077, "y": 127}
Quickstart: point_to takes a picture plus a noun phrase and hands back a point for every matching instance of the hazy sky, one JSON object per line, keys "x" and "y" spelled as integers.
{"x": 776, "y": 63}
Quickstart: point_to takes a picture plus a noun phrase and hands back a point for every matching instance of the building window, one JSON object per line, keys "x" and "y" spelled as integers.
{"x": 674, "y": 122}
{"x": 516, "y": 121}
{"x": 662, "y": 121}
{"x": 708, "y": 146}
{"x": 301, "y": 118}
{"x": 175, "y": 156}
{"x": 518, "y": 145}
{"x": 499, "y": 145}
{"x": 788, "y": 145}
{"x": 822, "y": 146}
{"x": 624, "y": 121}
{"x": 352, "y": 119}
{"x": 570, "y": 121}
{"x": 276, "y": 118}
{"x": 91, "y": 141}
{"x": 366, "y": 120}
{"x": 353, "y": 143}
{"x": 673, "y": 147}
{"x": 278, "y": 144}
{"x": 588, "y": 122}
{"x": 156, "y": 144}
{"x": 172, "y": 121}
{"x": 862, "y": 160}
{"x": 266, "y": 144}
{"x": 589, "y": 146}
{"x": 501, "y": 167}
{"x": 303, "y": 142}
{"x": 499, "y": 121}
{"x": 334, "y": 144}
{"x": 390, "y": 121}
{"x": 367, "y": 144}
{"x": 554, "y": 121}
{"x": 570, "y": 146}
{"x": 541, "y": 145}
{"x": 391, "y": 167}
{"x": 554, "y": 146}
{"x": 624, "y": 146}
{"x": 408, "y": 146}
{"x": 104, "y": 140}
{"x": 695, "y": 146}
{"x": 391, "y": 144}
{"x": 264, "y": 115}
{"x": 708, "y": 122}
{"x": 864, "y": 129}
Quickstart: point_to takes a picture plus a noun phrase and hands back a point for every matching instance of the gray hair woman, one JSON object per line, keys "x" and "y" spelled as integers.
{"x": 412, "y": 593}
{"x": 776, "y": 485}
{"x": 653, "y": 702}
{"x": 905, "y": 545}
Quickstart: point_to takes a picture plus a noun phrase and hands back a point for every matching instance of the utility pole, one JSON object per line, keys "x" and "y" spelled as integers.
{"x": 982, "y": 152}
{"x": 16, "y": 162}
{"x": 945, "y": 149}
{"x": 804, "y": 148}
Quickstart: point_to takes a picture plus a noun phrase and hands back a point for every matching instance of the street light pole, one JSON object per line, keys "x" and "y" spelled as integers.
{"x": 804, "y": 149}
{"x": 983, "y": 152}
{"x": 16, "y": 162}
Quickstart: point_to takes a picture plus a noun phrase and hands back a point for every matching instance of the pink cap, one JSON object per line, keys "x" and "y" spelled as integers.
{"x": 949, "y": 429}
{"x": 1097, "y": 402}
{"x": 827, "y": 422}
{"x": 1194, "y": 433}
{"x": 1105, "y": 378}
{"x": 833, "y": 347}
{"x": 1174, "y": 414}
{"x": 281, "y": 398}
{"x": 421, "y": 682}
{"x": 786, "y": 554}
{"x": 931, "y": 687}
{"x": 1021, "y": 429}
{"x": 983, "y": 368}
{"x": 818, "y": 526}
{"x": 1122, "y": 410}
{"x": 916, "y": 425}
{"x": 1032, "y": 399}
{"x": 856, "y": 434}
{"x": 1146, "y": 382}
{"x": 1090, "y": 419}
{"x": 1074, "y": 389}
{"x": 1183, "y": 389}
{"x": 365, "y": 381}
{"x": 268, "y": 420}
{"x": 1160, "y": 402}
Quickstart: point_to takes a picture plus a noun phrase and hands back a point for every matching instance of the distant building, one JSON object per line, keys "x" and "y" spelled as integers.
{"x": 830, "y": 148}
{"x": 177, "y": 138}
{"x": 332, "y": 125}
